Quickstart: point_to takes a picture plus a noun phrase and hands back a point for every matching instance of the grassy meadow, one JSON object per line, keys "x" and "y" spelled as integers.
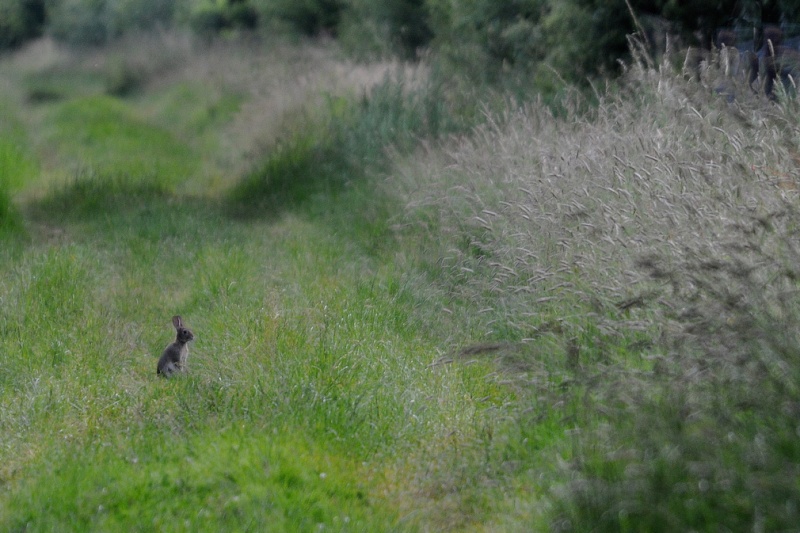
{"x": 564, "y": 317}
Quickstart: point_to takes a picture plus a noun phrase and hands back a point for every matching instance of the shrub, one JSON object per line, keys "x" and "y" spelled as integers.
{"x": 485, "y": 37}
{"x": 514, "y": 42}
{"x": 309, "y": 17}
{"x": 393, "y": 28}
{"x": 587, "y": 37}
{"x": 209, "y": 17}
{"x": 94, "y": 22}
{"x": 135, "y": 15}
{"x": 19, "y": 20}
{"x": 78, "y": 22}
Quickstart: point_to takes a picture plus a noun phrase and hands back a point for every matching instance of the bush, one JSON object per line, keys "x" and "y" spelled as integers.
{"x": 209, "y": 17}
{"x": 19, "y": 20}
{"x": 95, "y": 22}
{"x": 485, "y": 37}
{"x": 79, "y": 22}
{"x": 587, "y": 38}
{"x": 396, "y": 28}
{"x": 513, "y": 42}
{"x": 309, "y": 17}
{"x": 135, "y": 15}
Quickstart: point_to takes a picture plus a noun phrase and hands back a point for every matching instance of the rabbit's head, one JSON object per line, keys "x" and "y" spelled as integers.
{"x": 184, "y": 334}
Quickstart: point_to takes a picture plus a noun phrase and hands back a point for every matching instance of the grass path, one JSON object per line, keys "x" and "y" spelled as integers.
{"x": 310, "y": 380}
{"x": 311, "y": 400}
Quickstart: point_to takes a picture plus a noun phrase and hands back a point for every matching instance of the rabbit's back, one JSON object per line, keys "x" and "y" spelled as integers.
{"x": 173, "y": 359}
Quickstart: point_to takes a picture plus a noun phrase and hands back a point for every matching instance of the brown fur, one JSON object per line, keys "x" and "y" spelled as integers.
{"x": 173, "y": 360}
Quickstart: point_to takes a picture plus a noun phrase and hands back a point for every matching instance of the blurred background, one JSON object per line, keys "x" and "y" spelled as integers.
{"x": 484, "y": 40}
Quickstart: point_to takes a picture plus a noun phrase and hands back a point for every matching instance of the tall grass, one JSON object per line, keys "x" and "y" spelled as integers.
{"x": 9, "y": 220}
{"x": 654, "y": 239}
{"x": 345, "y": 142}
{"x": 17, "y": 167}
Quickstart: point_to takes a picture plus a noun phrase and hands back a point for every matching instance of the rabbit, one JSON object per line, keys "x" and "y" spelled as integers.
{"x": 173, "y": 360}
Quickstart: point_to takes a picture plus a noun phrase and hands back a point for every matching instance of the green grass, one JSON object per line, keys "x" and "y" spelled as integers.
{"x": 17, "y": 164}
{"x": 17, "y": 167}
{"x": 306, "y": 363}
{"x": 101, "y": 133}
{"x": 211, "y": 110}
{"x": 193, "y": 112}
{"x": 57, "y": 84}
{"x": 539, "y": 324}
{"x": 310, "y": 382}
{"x": 231, "y": 479}
{"x": 343, "y": 144}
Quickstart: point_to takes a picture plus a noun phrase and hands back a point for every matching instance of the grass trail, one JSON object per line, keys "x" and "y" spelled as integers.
{"x": 310, "y": 377}
{"x": 312, "y": 401}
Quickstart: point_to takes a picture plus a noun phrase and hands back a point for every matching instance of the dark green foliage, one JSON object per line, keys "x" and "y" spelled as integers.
{"x": 516, "y": 43}
{"x": 95, "y": 22}
{"x": 698, "y": 22}
{"x": 16, "y": 167}
{"x": 407, "y": 24}
{"x": 137, "y": 15}
{"x": 242, "y": 15}
{"x": 210, "y": 18}
{"x": 587, "y": 37}
{"x": 390, "y": 27}
{"x": 9, "y": 217}
{"x": 20, "y": 20}
{"x": 485, "y": 37}
{"x": 78, "y": 22}
{"x": 295, "y": 169}
{"x": 309, "y": 17}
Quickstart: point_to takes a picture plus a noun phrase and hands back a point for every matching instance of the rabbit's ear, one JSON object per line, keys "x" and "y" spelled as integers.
{"x": 177, "y": 322}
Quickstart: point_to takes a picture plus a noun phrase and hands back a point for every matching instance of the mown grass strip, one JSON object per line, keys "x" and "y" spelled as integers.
{"x": 100, "y": 133}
